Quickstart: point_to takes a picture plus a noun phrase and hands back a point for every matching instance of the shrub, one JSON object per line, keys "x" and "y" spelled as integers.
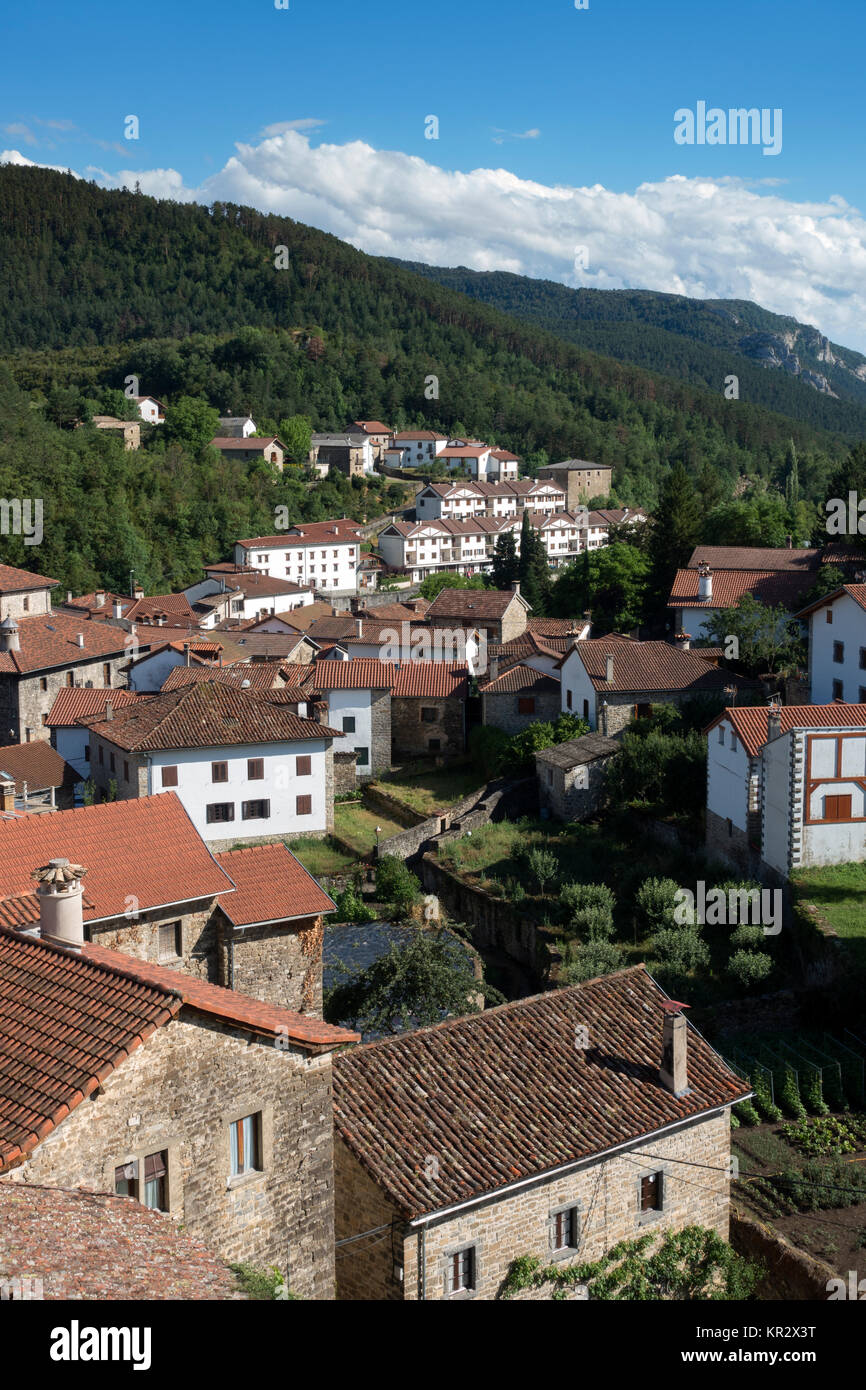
{"x": 396, "y": 885}
{"x": 655, "y": 901}
{"x": 577, "y": 896}
{"x": 542, "y": 864}
{"x": 351, "y": 907}
{"x": 592, "y": 923}
{"x": 488, "y": 749}
{"x": 750, "y": 968}
{"x": 746, "y": 1113}
{"x": 748, "y": 938}
{"x": 680, "y": 950}
{"x": 589, "y": 959}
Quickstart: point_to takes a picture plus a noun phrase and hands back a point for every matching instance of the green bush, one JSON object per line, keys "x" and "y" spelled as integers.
{"x": 396, "y": 885}
{"x": 586, "y": 960}
{"x": 750, "y": 968}
{"x": 351, "y": 907}
{"x": 746, "y": 1113}
{"x": 655, "y": 902}
{"x": 542, "y": 864}
{"x": 748, "y": 938}
{"x": 680, "y": 950}
{"x": 488, "y": 749}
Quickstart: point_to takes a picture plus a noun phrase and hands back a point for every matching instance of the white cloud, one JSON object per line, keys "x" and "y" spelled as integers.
{"x": 719, "y": 238}
{"x": 22, "y": 131}
{"x": 16, "y": 157}
{"x": 500, "y": 136}
{"x": 280, "y": 127}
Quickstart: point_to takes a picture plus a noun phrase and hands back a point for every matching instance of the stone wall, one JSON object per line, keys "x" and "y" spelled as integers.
{"x": 280, "y": 963}
{"x": 502, "y": 711}
{"x": 560, "y": 792}
{"x": 619, "y": 709}
{"x": 397, "y": 810}
{"x": 497, "y": 926}
{"x": 23, "y": 702}
{"x": 138, "y": 936}
{"x": 345, "y": 778}
{"x": 178, "y": 1093}
{"x": 365, "y": 1269}
{"x": 410, "y": 735}
{"x": 728, "y": 842}
{"x": 791, "y": 1274}
{"x": 474, "y": 810}
{"x": 380, "y": 733}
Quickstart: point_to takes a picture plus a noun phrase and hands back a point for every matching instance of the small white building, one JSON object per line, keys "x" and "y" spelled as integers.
{"x": 837, "y": 645}
{"x": 358, "y": 696}
{"x": 237, "y": 426}
{"x": 322, "y": 555}
{"x": 241, "y": 592}
{"x": 150, "y": 409}
{"x": 67, "y": 720}
{"x": 414, "y": 448}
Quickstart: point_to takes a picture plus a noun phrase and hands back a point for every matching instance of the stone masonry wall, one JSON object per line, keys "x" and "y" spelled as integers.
{"x": 733, "y": 846}
{"x": 380, "y": 726}
{"x": 365, "y": 1269}
{"x": 280, "y": 963}
{"x": 563, "y": 798}
{"x": 178, "y": 1093}
{"x": 502, "y": 711}
{"x": 620, "y": 708}
{"x": 23, "y": 702}
{"x": 138, "y": 936}
{"x": 410, "y": 735}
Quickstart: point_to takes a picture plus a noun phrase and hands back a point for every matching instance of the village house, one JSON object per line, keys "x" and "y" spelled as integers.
{"x": 39, "y": 656}
{"x": 612, "y": 680}
{"x": 240, "y": 591}
{"x": 351, "y": 453}
{"x": 378, "y": 434}
{"x": 34, "y": 778}
{"x": 580, "y": 480}
{"x": 571, "y": 776}
{"x": 67, "y": 721}
{"x": 464, "y": 500}
{"x": 414, "y": 448}
{"x": 480, "y": 462}
{"x": 246, "y": 450}
{"x": 717, "y": 577}
{"x": 786, "y": 786}
{"x": 127, "y": 430}
{"x": 439, "y": 1141}
{"x": 225, "y": 645}
{"x": 357, "y": 696}
{"x": 322, "y": 554}
{"x": 24, "y": 594}
{"x": 517, "y": 698}
{"x": 237, "y": 426}
{"x": 837, "y": 645}
{"x": 428, "y": 709}
{"x": 244, "y": 767}
{"x": 150, "y": 409}
{"x": 497, "y": 614}
{"x": 198, "y": 1101}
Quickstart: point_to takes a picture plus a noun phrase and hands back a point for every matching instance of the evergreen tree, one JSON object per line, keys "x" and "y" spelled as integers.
{"x": 534, "y": 568}
{"x": 506, "y": 565}
{"x": 676, "y": 529}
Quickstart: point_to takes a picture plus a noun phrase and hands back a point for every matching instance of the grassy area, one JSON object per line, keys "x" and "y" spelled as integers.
{"x": 432, "y": 790}
{"x": 839, "y": 893}
{"x": 320, "y": 857}
{"x": 356, "y": 825}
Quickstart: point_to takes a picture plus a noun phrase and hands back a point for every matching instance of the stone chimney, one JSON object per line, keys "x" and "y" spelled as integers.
{"x": 682, "y": 641}
{"x": 9, "y": 636}
{"x": 515, "y": 586}
{"x": 117, "y": 609}
{"x": 137, "y": 591}
{"x": 608, "y": 668}
{"x": 359, "y": 627}
{"x": 100, "y": 597}
{"x": 186, "y": 653}
{"x": 494, "y": 668}
{"x": 774, "y": 723}
{"x": 7, "y": 797}
{"x": 705, "y": 583}
{"x": 673, "y": 1072}
{"x": 789, "y": 542}
{"x": 68, "y": 595}
{"x": 109, "y": 710}
{"x": 60, "y": 893}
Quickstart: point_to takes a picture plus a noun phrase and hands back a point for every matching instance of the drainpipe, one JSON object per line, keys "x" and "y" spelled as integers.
{"x": 422, "y": 1264}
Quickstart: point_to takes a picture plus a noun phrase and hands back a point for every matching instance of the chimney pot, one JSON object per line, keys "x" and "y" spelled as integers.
{"x": 7, "y": 797}
{"x": 117, "y": 609}
{"x": 705, "y": 582}
{"x": 59, "y": 889}
{"x": 100, "y": 597}
{"x": 673, "y": 1072}
{"x": 774, "y": 723}
{"x": 68, "y": 595}
{"x": 80, "y": 639}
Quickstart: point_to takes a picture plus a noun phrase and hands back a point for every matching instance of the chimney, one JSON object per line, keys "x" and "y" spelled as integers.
{"x": 673, "y": 1072}
{"x": 705, "y": 583}
{"x": 789, "y": 542}
{"x": 682, "y": 640}
{"x": 186, "y": 653}
{"x": 117, "y": 609}
{"x": 359, "y": 627}
{"x": 137, "y": 591}
{"x": 774, "y": 723}
{"x": 100, "y": 597}
{"x": 494, "y": 668}
{"x": 60, "y": 893}
{"x": 79, "y": 637}
{"x": 608, "y": 668}
{"x": 9, "y": 636}
{"x": 109, "y": 710}
{"x": 7, "y": 797}
{"x": 354, "y": 605}
{"x": 68, "y": 595}
{"x": 515, "y": 587}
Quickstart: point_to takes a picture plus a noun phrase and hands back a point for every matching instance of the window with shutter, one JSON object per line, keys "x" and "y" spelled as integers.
{"x": 651, "y": 1192}
{"x": 169, "y": 776}
{"x": 304, "y": 765}
{"x": 304, "y": 806}
{"x": 155, "y": 1174}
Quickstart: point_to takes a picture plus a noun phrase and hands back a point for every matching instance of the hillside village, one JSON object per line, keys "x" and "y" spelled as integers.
{"x": 410, "y": 908}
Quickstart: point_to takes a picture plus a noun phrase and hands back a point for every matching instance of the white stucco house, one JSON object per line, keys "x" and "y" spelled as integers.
{"x": 358, "y": 697}
{"x": 837, "y": 645}
{"x": 150, "y": 409}
{"x": 786, "y": 786}
{"x": 323, "y": 555}
{"x": 74, "y": 704}
{"x": 245, "y": 768}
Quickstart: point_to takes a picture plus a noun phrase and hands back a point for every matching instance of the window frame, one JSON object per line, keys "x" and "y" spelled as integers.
{"x": 263, "y": 801}
{"x": 176, "y": 928}
{"x": 211, "y": 806}
{"x": 571, "y": 1210}
{"x": 306, "y": 810}
{"x": 255, "y": 769}
{"x": 646, "y": 1215}
{"x": 166, "y": 780}
{"x": 219, "y": 766}
{"x": 450, "y": 1267}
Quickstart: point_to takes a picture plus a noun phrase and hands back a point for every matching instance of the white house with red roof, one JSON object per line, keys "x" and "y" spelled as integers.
{"x": 786, "y": 786}
{"x": 717, "y": 577}
{"x": 323, "y": 555}
{"x": 837, "y": 645}
{"x": 150, "y": 409}
{"x": 23, "y": 593}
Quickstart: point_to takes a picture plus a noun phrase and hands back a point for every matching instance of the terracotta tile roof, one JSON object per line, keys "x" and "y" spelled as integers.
{"x": 754, "y": 557}
{"x": 65, "y": 1025}
{"x": 335, "y": 625}
{"x": 206, "y": 715}
{"x": 74, "y": 703}
{"x": 521, "y": 678}
{"x": 98, "y": 605}
{"x": 175, "y": 606}
{"x": 459, "y": 451}
{"x": 15, "y": 581}
{"x": 108, "y": 840}
{"x": 418, "y": 434}
{"x": 252, "y": 441}
{"x": 842, "y": 553}
{"x": 302, "y": 618}
{"x": 372, "y": 426}
{"x": 51, "y": 640}
{"x": 37, "y": 764}
{"x": 556, "y": 627}
{"x": 397, "y": 612}
{"x": 257, "y": 675}
{"x": 505, "y": 1095}
{"x": 750, "y": 721}
{"x": 309, "y": 533}
{"x": 530, "y": 643}
{"x": 361, "y": 673}
{"x": 855, "y": 591}
{"x": 254, "y": 584}
{"x": 435, "y": 680}
{"x": 98, "y": 1247}
{"x": 228, "y": 1005}
{"x": 472, "y": 604}
{"x": 271, "y": 885}
{"x": 772, "y": 587}
{"x": 644, "y": 667}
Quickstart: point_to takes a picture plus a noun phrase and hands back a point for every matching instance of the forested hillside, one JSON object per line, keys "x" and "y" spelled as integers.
{"x": 96, "y": 286}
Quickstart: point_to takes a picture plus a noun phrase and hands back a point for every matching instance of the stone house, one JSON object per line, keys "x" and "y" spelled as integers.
{"x": 24, "y": 594}
{"x": 245, "y": 767}
{"x": 786, "y": 786}
{"x": 357, "y": 699}
{"x": 128, "y": 430}
{"x": 271, "y": 449}
{"x": 42, "y": 655}
{"x": 378, "y": 434}
{"x": 351, "y": 454}
{"x": 499, "y": 615}
{"x": 428, "y": 709}
{"x": 571, "y": 776}
{"x": 34, "y": 778}
{"x": 197, "y": 1101}
{"x": 579, "y": 479}
{"x": 554, "y": 1126}
{"x": 519, "y": 697}
{"x": 612, "y": 680}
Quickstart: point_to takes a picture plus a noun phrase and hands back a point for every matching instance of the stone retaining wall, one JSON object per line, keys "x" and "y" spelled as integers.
{"x": 790, "y": 1273}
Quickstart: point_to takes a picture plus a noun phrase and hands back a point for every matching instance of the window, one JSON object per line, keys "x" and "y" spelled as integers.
{"x": 461, "y": 1270}
{"x": 721, "y": 733}
{"x": 434, "y": 745}
{"x": 126, "y": 1179}
{"x": 26, "y": 604}
{"x": 526, "y": 704}
{"x": 43, "y": 680}
{"x": 169, "y": 776}
{"x": 863, "y": 658}
{"x": 837, "y": 807}
{"x": 106, "y": 673}
{"x": 829, "y": 615}
{"x": 155, "y": 1173}
{"x": 362, "y": 757}
{"x": 112, "y": 762}
{"x": 563, "y": 1229}
{"x": 643, "y": 711}
{"x": 838, "y": 690}
{"x": 101, "y": 756}
{"x": 585, "y": 708}
{"x": 219, "y": 772}
{"x": 733, "y": 741}
{"x": 429, "y": 715}
{"x": 652, "y": 1192}
{"x": 304, "y": 806}
{"x": 170, "y": 941}
{"x": 838, "y": 652}
{"x": 44, "y": 720}
{"x": 245, "y": 1146}
{"x": 304, "y": 765}
{"x": 125, "y": 770}
{"x": 255, "y": 810}
{"x": 255, "y": 769}
{"x": 348, "y": 723}
{"x": 219, "y": 811}
{"x": 568, "y": 699}
{"x": 70, "y": 677}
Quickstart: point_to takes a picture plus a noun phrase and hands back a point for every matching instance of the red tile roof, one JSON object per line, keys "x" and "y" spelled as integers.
{"x": 750, "y": 721}
{"x": 252, "y": 441}
{"x": 372, "y": 426}
{"x": 15, "y": 581}
{"x": 209, "y": 714}
{"x": 556, "y": 627}
{"x": 309, "y": 533}
{"x": 772, "y": 587}
{"x": 435, "y": 680}
{"x": 147, "y": 850}
{"x": 96, "y": 1246}
{"x": 37, "y": 764}
{"x": 175, "y": 606}
{"x": 258, "y": 675}
{"x": 472, "y": 604}
{"x": 361, "y": 673}
{"x": 504, "y": 1095}
{"x": 519, "y": 679}
{"x": 855, "y": 591}
{"x": 644, "y": 667}
{"x": 418, "y": 434}
{"x": 753, "y": 557}
{"x": 51, "y": 640}
{"x": 271, "y": 886}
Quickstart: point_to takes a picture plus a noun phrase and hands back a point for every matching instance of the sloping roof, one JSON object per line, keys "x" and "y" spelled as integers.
{"x": 577, "y": 751}
{"x": 301, "y": 618}
{"x": 252, "y": 441}
{"x": 361, "y": 673}
{"x": 309, "y": 533}
{"x": 855, "y": 591}
{"x": 205, "y": 715}
{"x": 254, "y": 675}
{"x": 521, "y": 678}
{"x": 96, "y": 1247}
{"x": 75, "y": 702}
{"x": 175, "y": 606}
{"x": 773, "y": 587}
{"x": 434, "y": 680}
{"x": 750, "y": 721}
{"x": 644, "y": 667}
{"x": 556, "y": 627}
{"x": 753, "y": 557}
{"x": 37, "y": 764}
{"x": 473, "y": 603}
{"x": 570, "y": 465}
{"x": 271, "y": 885}
{"x": 505, "y": 1094}
{"x": 14, "y": 581}
{"x": 147, "y": 850}
{"x": 51, "y": 640}
{"x": 417, "y": 434}
{"x": 372, "y": 426}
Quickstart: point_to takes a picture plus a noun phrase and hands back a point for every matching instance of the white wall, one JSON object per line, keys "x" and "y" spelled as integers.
{"x": 776, "y": 760}
{"x": 328, "y": 564}
{"x": 694, "y": 620}
{"x": 280, "y": 786}
{"x": 354, "y": 704}
{"x": 574, "y": 678}
{"x": 71, "y": 743}
{"x": 849, "y": 627}
{"x": 727, "y": 777}
{"x": 150, "y": 672}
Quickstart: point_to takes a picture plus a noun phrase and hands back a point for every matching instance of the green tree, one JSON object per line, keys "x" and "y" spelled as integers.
{"x": 534, "y": 568}
{"x": 506, "y": 565}
{"x": 767, "y": 638}
{"x": 296, "y": 432}
{"x": 435, "y": 583}
{"x": 676, "y": 528}
{"x": 191, "y": 422}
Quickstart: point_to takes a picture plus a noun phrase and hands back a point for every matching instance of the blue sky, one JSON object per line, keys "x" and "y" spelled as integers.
{"x": 561, "y": 99}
